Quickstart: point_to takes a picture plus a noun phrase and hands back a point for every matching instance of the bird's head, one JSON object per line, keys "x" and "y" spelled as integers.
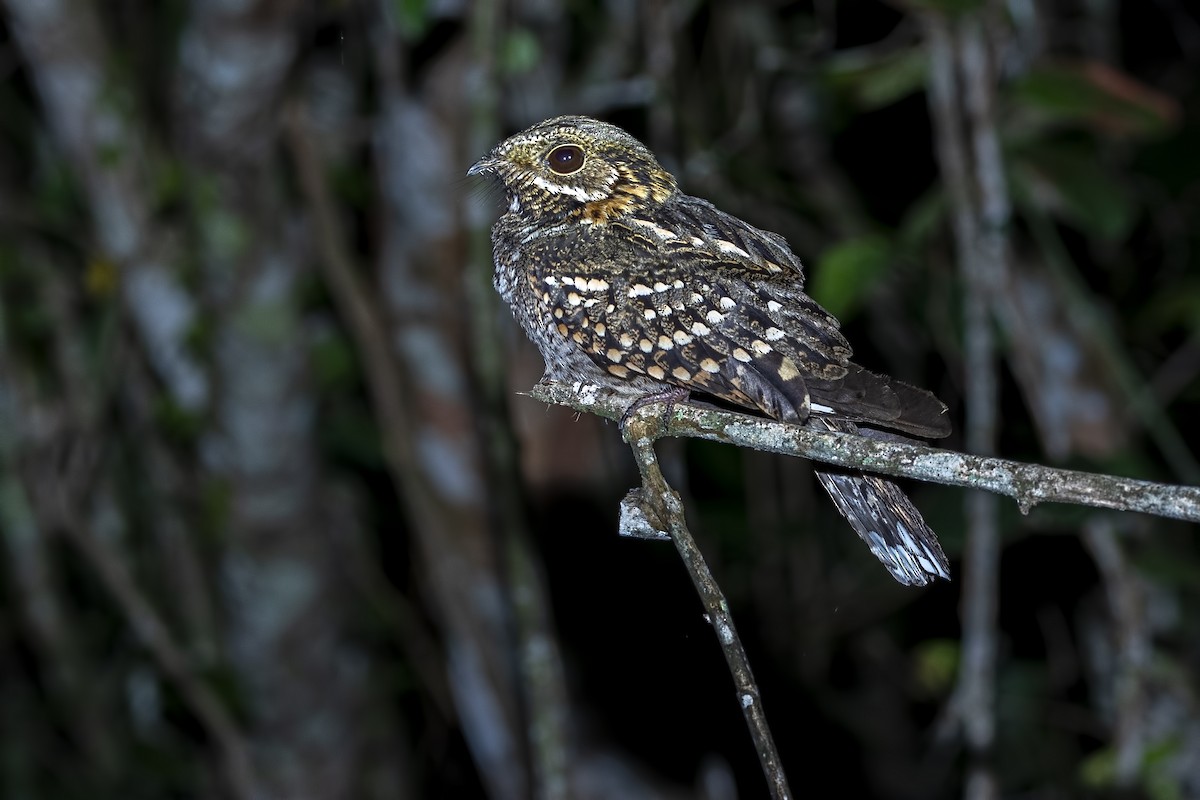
{"x": 576, "y": 167}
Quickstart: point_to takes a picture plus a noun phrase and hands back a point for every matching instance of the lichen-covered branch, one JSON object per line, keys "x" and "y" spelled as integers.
{"x": 1028, "y": 484}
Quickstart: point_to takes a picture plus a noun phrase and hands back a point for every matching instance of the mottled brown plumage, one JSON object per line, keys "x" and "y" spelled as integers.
{"x": 623, "y": 281}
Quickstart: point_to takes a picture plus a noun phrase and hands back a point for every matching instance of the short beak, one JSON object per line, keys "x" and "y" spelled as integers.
{"x": 485, "y": 164}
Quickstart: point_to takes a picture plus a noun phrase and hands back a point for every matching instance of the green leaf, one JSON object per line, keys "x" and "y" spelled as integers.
{"x": 177, "y": 423}
{"x": 1172, "y": 305}
{"x": 1158, "y": 774}
{"x": 1096, "y": 96}
{"x": 170, "y": 181}
{"x": 936, "y": 665}
{"x": 845, "y": 273}
{"x": 1099, "y": 770}
{"x": 333, "y": 362}
{"x": 519, "y": 52}
{"x": 1075, "y": 184}
{"x": 412, "y": 17}
{"x": 923, "y": 219}
{"x": 56, "y": 194}
{"x": 874, "y": 82}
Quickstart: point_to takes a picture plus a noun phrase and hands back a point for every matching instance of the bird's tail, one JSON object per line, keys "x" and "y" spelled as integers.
{"x": 883, "y": 517}
{"x": 890, "y": 525}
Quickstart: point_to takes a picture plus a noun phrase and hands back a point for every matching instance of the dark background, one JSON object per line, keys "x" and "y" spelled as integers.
{"x": 274, "y": 521}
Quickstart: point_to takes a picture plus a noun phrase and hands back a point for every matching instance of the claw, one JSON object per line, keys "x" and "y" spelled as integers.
{"x": 669, "y": 396}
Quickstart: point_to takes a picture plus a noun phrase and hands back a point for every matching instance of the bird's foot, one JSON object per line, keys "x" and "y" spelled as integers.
{"x": 668, "y": 397}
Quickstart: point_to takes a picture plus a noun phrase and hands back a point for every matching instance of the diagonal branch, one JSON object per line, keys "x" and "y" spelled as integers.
{"x": 657, "y": 507}
{"x": 208, "y": 706}
{"x": 1028, "y": 484}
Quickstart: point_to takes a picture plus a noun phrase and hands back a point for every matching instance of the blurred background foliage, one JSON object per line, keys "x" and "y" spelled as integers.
{"x": 276, "y": 523}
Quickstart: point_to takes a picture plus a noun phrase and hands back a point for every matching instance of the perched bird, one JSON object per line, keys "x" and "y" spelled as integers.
{"x": 625, "y": 282}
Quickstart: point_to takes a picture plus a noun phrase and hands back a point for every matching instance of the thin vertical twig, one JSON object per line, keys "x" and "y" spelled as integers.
{"x": 58, "y": 507}
{"x": 29, "y": 565}
{"x": 982, "y": 270}
{"x": 203, "y": 701}
{"x": 385, "y": 384}
{"x": 1132, "y": 641}
{"x": 661, "y": 508}
{"x": 541, "y": 672}
{"x": 961, "y": 94}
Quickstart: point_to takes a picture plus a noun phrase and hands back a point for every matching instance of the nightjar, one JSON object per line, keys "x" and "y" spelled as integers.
{"x": 625, "y": 282}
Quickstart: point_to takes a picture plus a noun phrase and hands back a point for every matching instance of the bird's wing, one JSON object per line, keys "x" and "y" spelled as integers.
{"x": 763, "y": 262}
{"x": 687, "y": 318}
{"x": 699, "y": 299}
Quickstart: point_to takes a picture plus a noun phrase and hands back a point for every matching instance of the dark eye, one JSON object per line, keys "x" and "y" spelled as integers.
{"x": 566, "y": 158}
